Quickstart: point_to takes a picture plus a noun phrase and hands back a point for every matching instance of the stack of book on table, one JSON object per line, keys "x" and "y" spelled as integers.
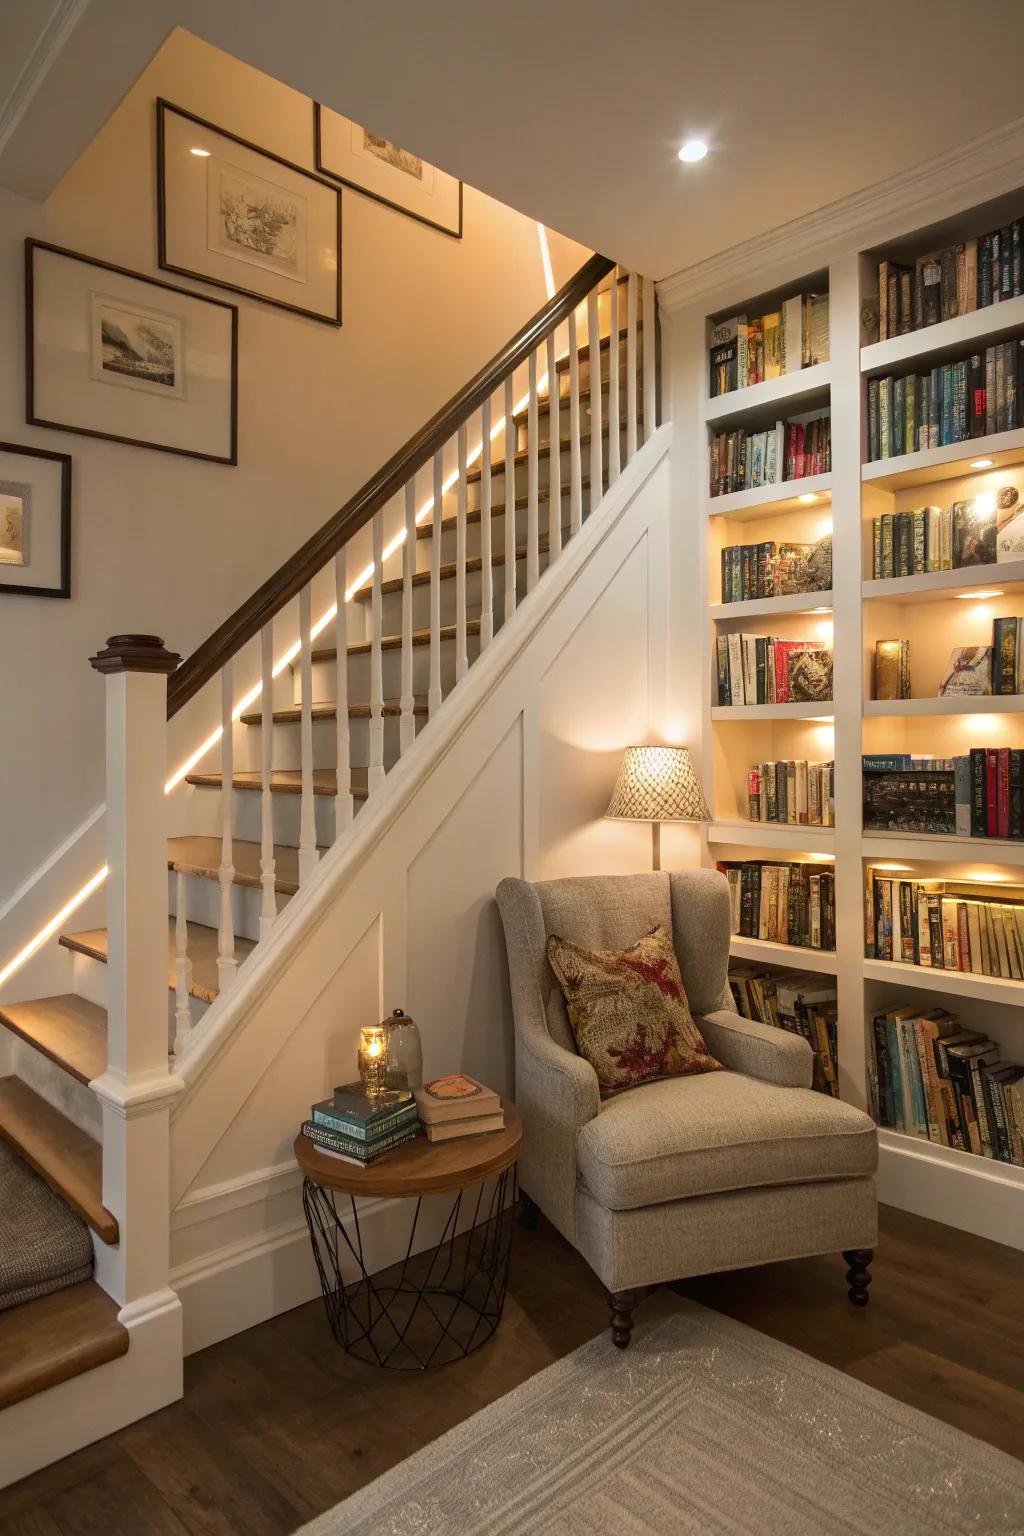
{"x": 458, "y": 1106}
{"x": 361, "y": 1127}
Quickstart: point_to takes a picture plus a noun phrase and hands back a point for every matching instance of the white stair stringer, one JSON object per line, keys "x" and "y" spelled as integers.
{"x": 239, "y": 1249}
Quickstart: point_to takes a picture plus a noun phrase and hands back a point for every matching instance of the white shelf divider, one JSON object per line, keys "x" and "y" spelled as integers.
{"x": 791, "y": 955}
{"x": 984, "y": 326}
{"x": 940, "y": 586}
{"x": 765, "y": 500}
{"x": 796, "y": 840}
{"x": 990, "y": 989}
{"x": 947, "y": 463}
{"x": 793, "y": 391}
{"x": 765, "y": 607}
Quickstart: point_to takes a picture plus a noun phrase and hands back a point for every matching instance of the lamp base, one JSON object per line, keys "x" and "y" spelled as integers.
{"x": 656, "y": 844}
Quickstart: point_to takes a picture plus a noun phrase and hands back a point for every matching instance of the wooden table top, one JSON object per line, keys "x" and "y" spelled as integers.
{"x": 420, "y": 1167}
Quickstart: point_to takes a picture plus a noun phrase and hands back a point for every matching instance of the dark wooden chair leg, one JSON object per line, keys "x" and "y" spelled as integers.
{"x": 622, "y": 1304}
{"x": 529, "y": 1213}
{"x": 858, "y": 1276}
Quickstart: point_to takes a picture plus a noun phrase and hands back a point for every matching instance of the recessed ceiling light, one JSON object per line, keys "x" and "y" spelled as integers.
{"x": 692, "y": 151}
{"x": 982, "y": 463}
{"x": 976, "y": 597}
{"x": 202, "y": 154}
{"x": 823, "y": 609}
{"x": 808, "y": 496}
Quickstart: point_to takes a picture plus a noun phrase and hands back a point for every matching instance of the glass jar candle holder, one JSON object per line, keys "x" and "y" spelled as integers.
{"x": 373, "y": 1058}
{"x": 405, "y": 1051}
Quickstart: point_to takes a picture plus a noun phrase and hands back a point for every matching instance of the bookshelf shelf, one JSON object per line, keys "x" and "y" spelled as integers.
{"x": 765, "y": 607}
{"x": 940, "y": 586}
{"x": 795, "y": 840}
{"x": 989, "y": 989}
{"x": 790, "y": 955}
{"x": 767, "y": 500}
{"x": 951, "y": 1157}
{"x": 953, "y": 704}
{"x": 797, "y": 392}
{"x": 948, "y": 463}
{"x": 723, "y": 714}
{"x": 940, "y": 847}
{"x": 988, "y": 325}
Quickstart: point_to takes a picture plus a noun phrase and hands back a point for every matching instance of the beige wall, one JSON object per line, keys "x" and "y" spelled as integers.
{"x": 169, "y": 545}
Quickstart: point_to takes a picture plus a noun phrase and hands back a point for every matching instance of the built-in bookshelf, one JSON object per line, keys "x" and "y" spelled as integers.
{"x": 936, "y": 611}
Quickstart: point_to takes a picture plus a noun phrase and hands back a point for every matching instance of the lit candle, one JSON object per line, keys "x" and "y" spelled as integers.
{"x": 372, "y": 1057}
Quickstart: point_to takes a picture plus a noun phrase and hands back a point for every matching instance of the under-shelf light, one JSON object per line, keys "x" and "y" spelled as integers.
{"x": 977, "y": 597}
{"x": 807, "y": 496}
{"x": 893, "y": 869}
{"x": 982, "y": 463}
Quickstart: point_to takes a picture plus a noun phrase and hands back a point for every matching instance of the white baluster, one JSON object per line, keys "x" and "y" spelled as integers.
{"x": 434, "y": 693}
{"x": 486, "y": 553}
{"x": 308, "y": 854}
{"x": 268, "y": 870}
{"x": 631, "y": 366}
{"x": 182, "y": 967}
{"x": 375, "y": 772}
{"x": 650, "y": 403}
{"x": 613, "y": 379}
{"x": 554, "y": 459}
{"x": 226, "y": 962}
{"x": 461, "y": 653}
{"x": 343, "y": 806}
{"x": 510, "y": 503}
{"x": 407, "y": 724}
{"x": 575, "y": 452}
{"x": 532, "y": 479}
{"x": 596, "y": 447}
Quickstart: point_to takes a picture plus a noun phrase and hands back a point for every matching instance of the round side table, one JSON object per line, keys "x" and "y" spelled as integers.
{"x": 440, "y": 1302}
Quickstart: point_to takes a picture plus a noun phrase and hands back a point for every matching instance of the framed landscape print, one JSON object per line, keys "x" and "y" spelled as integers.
{"x": 110, "y": 353}
{"x": 35, "y": 522}
{"x": 233, "y": 214}
{"x": 366, "y": 162}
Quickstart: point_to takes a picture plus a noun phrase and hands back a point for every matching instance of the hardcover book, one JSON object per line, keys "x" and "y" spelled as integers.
{"x": 969, "y": 672}
{"x": 810, "y": 676}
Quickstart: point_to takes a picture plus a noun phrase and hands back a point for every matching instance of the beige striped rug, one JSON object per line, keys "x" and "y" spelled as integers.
{"x": 703, "y": 1427}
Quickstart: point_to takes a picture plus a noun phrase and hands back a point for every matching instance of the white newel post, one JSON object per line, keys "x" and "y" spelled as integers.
{"x": 138, "y": 1087}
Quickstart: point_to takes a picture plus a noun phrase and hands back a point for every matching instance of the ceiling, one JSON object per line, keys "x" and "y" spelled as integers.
{"x": 570, "y": 111}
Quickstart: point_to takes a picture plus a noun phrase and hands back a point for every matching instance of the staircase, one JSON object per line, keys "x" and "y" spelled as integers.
{"x": 321, "y": 684}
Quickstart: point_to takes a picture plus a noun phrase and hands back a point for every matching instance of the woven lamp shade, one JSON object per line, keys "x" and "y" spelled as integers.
{"x": 658, "y": 784}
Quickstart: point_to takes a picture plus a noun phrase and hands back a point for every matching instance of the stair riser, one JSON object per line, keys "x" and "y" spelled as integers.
{"x": 287, "y": 811}
{"x": 325, "y": 674}
{"x": 90, "y": 982}
{"x": 449, "y": 538}
{"x": 391, "y": 605}
{"x": 287, "y": 744}
{"x": 202, "y": 898}
{"x": 544, "y": 421}
{"x": 73, "y": 1099}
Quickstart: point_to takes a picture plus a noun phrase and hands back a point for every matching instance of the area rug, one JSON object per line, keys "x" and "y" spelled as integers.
{"x": 702, "y": 1426}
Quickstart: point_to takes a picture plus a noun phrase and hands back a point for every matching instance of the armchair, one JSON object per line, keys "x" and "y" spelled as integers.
{"x": 686, "y": 1175}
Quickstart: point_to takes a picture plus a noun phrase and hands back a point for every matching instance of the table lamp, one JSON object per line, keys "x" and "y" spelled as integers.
{"x": 657, "y": 784}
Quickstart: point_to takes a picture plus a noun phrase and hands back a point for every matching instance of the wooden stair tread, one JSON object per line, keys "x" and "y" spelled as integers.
{"x": 284, "y": 781}
{"x": 200, "y": 855}
{"x": 544, "y": 400}
{"x": 69, "y": 1160}
{"x": 67, "y": 1029}
{"x": 449, "y": 571}
{"x": 425, "y": 530}
{"x": 562, "y": 363}
{"x": 522, "y": 455}
{"x": 392, "y": 707}
{"x": 202, "y": 952}
{"x": 57, "y": 1337}
{"x": 393, "y": 642}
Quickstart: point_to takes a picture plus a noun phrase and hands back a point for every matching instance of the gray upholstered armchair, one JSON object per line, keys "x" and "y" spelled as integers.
{"x": 687, "y": 1175}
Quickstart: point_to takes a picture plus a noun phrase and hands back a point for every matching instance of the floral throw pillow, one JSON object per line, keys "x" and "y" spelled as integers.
{"x": 629, "y": 1012}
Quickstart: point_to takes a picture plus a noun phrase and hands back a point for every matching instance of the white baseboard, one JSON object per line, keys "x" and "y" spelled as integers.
{"x": 53, "y": 1424}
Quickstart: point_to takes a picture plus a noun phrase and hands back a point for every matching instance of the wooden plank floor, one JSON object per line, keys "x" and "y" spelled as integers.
{"x": 277, "y": 1424}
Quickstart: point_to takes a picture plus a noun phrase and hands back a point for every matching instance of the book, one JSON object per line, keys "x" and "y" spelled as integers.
{"x": 810, "y": 675}
{"x": 474, "y": 1125}
{"x": 892, "y": 669}
{"x": 353, "y": 1102}
{"x": 352, "y": 1150}
{"x": 456, "y": 1097}
{"x": 366, "y": 1131}
{"x": 969, "y": 671}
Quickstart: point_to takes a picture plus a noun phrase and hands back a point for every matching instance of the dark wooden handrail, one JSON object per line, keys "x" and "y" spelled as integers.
{"x": 268, "y": 600}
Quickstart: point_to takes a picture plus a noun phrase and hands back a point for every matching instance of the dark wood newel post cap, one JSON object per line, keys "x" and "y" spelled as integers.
{"x": 135, "y": 653}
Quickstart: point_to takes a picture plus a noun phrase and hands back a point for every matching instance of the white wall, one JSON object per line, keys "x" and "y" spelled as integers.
{"x": 169, "y": 545}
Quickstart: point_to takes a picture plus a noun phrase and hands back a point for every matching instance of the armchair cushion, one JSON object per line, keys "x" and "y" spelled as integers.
{"x": 690, "y": 1136}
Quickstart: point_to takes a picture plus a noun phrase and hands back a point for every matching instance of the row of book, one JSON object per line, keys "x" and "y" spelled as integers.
{"x": 792, "y": 792}
{"x": 768, "y": 569}
{"x": 361, "y": 1127}
{"x": 946, "y": 283}
{"x": 945, "y": 924}
{"x": 977, "y": 794}
{"x": 786, "y": 903}
{"x": 953, "y": 403}
{"x": 930, "y": 1077}
{"x": 803, "y": 1004}
{"x": 791, "y": 450}
{"x": 759, "y": 669}
{"x": 747, "y": 350}
{"x": 977, "y": 530}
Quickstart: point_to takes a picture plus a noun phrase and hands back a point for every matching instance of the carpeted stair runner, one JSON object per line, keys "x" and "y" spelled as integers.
{"x": 44, "y": 1246}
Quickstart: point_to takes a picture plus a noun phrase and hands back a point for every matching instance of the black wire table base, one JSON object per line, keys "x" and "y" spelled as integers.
{"x": 437, "y": 1305}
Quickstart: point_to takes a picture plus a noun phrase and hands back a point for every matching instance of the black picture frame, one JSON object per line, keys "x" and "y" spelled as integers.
{"x": 20, "y": 589}
{"x": 35, "y": 420}
{"x": 162, "y": 108}
{"x": 385, "y": 202}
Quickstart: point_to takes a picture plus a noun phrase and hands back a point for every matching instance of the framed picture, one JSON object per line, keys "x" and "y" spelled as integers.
{"x": 111, "y": 353}
{"x": 367, "y": 163}
{"x": 35, "y": 522}
{"x": 235, "y": 215}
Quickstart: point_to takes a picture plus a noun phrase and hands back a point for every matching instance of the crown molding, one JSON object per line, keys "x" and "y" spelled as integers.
{"x": 971, "y": 173}
{"x": 63, "y": 20}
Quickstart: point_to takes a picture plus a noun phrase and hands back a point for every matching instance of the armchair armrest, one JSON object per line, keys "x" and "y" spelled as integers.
{"x": 557, "y": 1094}
{"x": 760, "y": 1050}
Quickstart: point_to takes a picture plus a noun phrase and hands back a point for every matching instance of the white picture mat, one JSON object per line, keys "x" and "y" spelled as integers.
{"x": 65, "y": 390}
{"x": 187, "y": 200}
{"x": 342, "y": 154}
{"x": 223, "y": 177}
{"x": 44, "y": 476}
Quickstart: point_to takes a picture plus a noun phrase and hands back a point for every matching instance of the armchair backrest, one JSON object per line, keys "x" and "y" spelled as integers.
{"x": 612, "y": 912}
